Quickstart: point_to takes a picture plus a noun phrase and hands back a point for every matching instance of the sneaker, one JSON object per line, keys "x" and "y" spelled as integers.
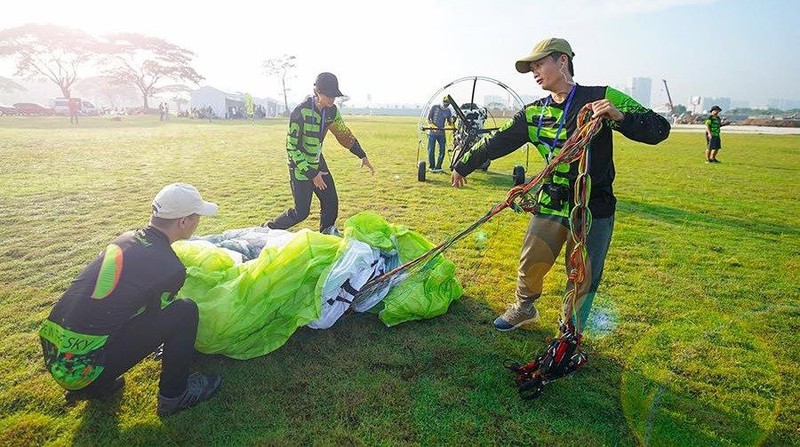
{"x": 514, "y": 318}
{"x": 438, "y": 170}
{"x": 709, "y": 161}
{"x": 715, "y": 161}
{"x": 96, "y": 393}
{"x": 332, "y": 230}
{"x": 199, "y": 388}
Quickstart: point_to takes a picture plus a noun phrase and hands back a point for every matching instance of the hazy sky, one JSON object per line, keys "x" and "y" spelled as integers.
{"x": 403, "y": 51}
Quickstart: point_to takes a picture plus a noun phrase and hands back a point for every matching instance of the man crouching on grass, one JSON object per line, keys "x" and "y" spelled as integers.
{"x": 122, "y": 307}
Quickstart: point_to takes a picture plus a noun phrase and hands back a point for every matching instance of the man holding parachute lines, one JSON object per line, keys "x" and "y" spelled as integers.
{"x": 574, "y": 204}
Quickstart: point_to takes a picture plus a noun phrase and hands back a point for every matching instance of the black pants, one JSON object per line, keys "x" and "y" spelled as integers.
{"x": 175, "y": 326}
{"x": 302, "y": 191}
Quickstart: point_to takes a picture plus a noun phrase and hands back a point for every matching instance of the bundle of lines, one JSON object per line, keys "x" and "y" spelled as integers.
{"x": 521, "y": 198}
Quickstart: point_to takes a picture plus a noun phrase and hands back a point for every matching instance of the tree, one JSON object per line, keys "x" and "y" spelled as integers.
{"x": 145, "y": 61}
{"x": 55, "y": 52}
{"x": 679, "y": 109}
{"x": 342, "y": 101}
{"x": 9, "y": 86}
{"x": 104, "y": 87}
{"x": 280, "y": 66}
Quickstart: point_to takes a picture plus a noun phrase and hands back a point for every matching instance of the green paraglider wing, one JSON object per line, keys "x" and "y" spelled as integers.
{"x": 252, "y": 308}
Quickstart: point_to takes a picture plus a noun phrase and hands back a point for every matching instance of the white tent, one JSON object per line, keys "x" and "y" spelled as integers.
{"x": 221, "y": 102}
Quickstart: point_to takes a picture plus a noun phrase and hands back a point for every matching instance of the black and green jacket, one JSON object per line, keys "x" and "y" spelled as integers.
{"x": 307, "y": 130}
{"x": 639, "y": 124}
{"x": 137, "y": 273}
{"x": 713, "y": 123}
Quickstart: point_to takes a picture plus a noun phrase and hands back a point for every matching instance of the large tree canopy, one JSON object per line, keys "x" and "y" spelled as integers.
{"x": 147, "y": 63}
{"x": 52, "y": 51}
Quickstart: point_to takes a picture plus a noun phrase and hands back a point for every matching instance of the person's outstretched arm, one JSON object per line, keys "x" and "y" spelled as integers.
{"x": 346, "y": 138}
{"x": 506, "y": 140}
{"x": 636, "y": 121}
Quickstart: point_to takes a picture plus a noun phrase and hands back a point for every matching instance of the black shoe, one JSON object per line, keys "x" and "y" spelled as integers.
{"x": 200, "y": 387}
{"x": 96, "y": 393}
{"x": 715, "y": 161}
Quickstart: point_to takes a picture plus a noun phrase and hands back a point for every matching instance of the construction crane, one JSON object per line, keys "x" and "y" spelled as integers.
{"x": 669, "y": 98}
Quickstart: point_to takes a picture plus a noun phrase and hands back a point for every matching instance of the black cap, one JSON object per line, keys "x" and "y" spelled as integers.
{"x": 715, "y": 108}
{"x": 328, "y": 85}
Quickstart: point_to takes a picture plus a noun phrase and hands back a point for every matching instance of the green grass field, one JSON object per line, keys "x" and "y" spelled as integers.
{"x": 693, "y": 339}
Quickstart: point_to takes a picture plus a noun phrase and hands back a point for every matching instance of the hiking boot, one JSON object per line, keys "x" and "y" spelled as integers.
{"x": 95, "y": 393}
{"x": 199, "y": 387}
{"x": 515, "y": 317}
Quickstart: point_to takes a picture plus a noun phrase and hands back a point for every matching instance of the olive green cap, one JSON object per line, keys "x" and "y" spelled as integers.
{"x": 542, "y": 49}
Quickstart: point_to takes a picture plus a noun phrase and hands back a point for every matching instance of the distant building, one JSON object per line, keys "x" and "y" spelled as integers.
{"x": 783, "y": 104}
{"x": 722, "y": 102}
{"x": 221, "y": 102}
{"x": 640, "y": 90}
{"x": 740, "y": 104}
{"x": 702, "y": 104}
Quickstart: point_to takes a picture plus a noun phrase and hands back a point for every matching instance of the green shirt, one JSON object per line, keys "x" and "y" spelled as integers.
{"x": 713, "y": 123}
{"x": 307, "y": 129}
{"x": 639, "y": 124}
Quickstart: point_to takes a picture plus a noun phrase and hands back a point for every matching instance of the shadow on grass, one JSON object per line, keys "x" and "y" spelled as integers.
{"x": 679, "y": 217}
{"x": 438, "y": 381}
{"x": 432, "y": 382}
{"x": 99, "y": 424}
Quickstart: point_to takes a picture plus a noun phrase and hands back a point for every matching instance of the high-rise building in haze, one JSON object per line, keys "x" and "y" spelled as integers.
{"x": 783, "y": 104}
{"x": 640, "y": 90}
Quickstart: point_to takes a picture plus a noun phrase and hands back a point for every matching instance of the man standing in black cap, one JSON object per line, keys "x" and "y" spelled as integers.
{"x": 308, "y": 172}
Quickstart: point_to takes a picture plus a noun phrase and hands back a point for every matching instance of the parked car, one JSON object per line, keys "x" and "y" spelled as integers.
{"x": 61, "y": 106}
{"x": 31, "y": 108}
{"x": 8, "y": 110}
{"x": 87, "y": 108}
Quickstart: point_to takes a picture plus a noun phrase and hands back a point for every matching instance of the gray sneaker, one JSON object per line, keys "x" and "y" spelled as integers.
{"x": 515, "y": 317}
{"x": 200, "y": 387}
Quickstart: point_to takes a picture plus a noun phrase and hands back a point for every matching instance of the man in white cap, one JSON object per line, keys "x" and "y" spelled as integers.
{"x": 547, "y": 123}
{"x": 122, "y": 307}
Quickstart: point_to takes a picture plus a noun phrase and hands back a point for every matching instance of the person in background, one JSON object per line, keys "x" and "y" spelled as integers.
{"x": 713, "y": 141}
{"x": 439, "y": 115}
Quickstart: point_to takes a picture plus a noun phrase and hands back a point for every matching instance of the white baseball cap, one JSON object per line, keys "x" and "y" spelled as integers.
{"x": 180, "y": 200}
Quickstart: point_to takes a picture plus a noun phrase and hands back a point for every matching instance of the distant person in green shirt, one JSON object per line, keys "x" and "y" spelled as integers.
{"x": 713, "y": 142}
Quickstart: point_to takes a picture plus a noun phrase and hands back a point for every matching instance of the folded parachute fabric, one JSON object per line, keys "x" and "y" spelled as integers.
{"x": 357, "y": 265}
{"x": 424, "y": 295}
{"x": 286, "y": 280}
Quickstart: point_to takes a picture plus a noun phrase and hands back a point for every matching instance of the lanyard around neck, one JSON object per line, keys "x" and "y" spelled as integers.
{"x": 552, "y": 147}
